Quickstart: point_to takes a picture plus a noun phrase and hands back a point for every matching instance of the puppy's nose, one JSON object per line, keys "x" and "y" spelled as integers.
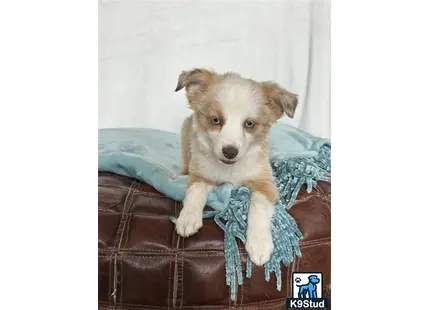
{"x": 229, "y": 151}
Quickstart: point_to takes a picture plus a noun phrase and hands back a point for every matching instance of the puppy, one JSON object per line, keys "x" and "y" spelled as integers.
{"x": 226, "y": 140}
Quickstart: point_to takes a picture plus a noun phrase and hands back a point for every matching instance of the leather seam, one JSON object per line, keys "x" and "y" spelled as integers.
{"x": 169, "y": 297}
{"x": 182, "y": 273}
{"x": 121, "y": 280}
{"x": 316, "y": 245}
{"x": 189, "y": 251}
{"x": 127, "y": 228}
{"x": 310, "y": 242}
{"x": 117, "y": 244}
{"x": 110, "y": 278}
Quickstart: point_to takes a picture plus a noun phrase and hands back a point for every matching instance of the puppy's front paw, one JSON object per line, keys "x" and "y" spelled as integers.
{"x": 188, "y": 223}
{"x": 259, "y": 245}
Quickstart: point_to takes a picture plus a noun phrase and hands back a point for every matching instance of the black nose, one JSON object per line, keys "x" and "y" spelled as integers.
{"x": 229, "y": 151}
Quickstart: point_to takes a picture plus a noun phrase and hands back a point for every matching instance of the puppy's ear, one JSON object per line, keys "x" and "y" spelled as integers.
{"x": 194, "y": 80}
{"x": 279, "y": 100}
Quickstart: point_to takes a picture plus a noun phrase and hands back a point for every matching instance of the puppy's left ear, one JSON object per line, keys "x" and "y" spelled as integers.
{"x": 279, "y": 100}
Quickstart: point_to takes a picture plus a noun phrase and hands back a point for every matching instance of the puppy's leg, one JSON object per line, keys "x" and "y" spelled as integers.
{"x": 185, "y": 144}
{"x": 259, "y": 244}
{"x": 190, "y": 219}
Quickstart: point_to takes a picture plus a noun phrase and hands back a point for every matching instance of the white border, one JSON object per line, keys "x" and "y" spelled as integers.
{"x": 48, "y": 119}
{"x": 380, "y": 110}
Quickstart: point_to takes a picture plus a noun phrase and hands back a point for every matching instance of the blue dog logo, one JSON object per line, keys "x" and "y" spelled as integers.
{"x": 309, "y": 295}
{"x": 309, "y": 290}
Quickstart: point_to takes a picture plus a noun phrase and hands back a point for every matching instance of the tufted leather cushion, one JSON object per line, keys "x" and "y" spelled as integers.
{"x": 144, "y": 264}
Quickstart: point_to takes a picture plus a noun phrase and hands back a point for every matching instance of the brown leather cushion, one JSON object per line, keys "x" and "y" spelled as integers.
{"x": 144, "y": 264}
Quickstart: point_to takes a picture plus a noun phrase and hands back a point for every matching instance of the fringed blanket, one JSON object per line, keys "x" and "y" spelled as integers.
{"x": 297, "y": 159}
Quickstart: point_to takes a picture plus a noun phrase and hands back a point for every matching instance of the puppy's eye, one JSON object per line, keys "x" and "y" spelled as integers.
{"x": 249, "y": 124}
{"x": 216, "y": 121}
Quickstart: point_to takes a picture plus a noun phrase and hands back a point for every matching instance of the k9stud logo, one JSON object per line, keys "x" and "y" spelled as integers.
{"x": 307, "y": 291}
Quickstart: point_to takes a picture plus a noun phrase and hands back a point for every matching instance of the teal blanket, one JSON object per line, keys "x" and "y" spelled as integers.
{"x": 297, "y": 159}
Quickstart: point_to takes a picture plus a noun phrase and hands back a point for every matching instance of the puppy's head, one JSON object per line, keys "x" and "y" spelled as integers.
{"x": 233, "y": 115}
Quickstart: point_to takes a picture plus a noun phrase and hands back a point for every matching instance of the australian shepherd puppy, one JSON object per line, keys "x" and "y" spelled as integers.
{"x": 226, "y": 140}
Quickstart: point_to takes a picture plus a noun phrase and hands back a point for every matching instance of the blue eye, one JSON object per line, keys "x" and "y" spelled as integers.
{"x": 216, "y": 121}
{"x": 249, "y": 124}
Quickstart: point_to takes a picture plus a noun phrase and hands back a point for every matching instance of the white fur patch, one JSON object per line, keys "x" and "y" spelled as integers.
{"x": 239, "y": 102}
{"x": 259, "y": 244}
{"x": 238, "y": 174}
{"x": 190, "y": 219}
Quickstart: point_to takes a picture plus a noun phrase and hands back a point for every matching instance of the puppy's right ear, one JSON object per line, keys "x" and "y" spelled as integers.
{"x": 194, "y": 80}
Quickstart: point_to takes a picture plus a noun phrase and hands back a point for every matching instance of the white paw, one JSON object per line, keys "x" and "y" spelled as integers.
{"x": 188, "y": 223}
{"x": 259, "y": 246}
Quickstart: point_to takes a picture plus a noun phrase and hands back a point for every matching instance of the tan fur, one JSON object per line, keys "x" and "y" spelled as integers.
{"x": 196, "y": 83}
{"x": 263, "y": 183}
{"x": 279, "y": 100}
{"x": 185, "y": 144}
{"x": 264, "y": 186}
{"x": 197, "y": 77}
